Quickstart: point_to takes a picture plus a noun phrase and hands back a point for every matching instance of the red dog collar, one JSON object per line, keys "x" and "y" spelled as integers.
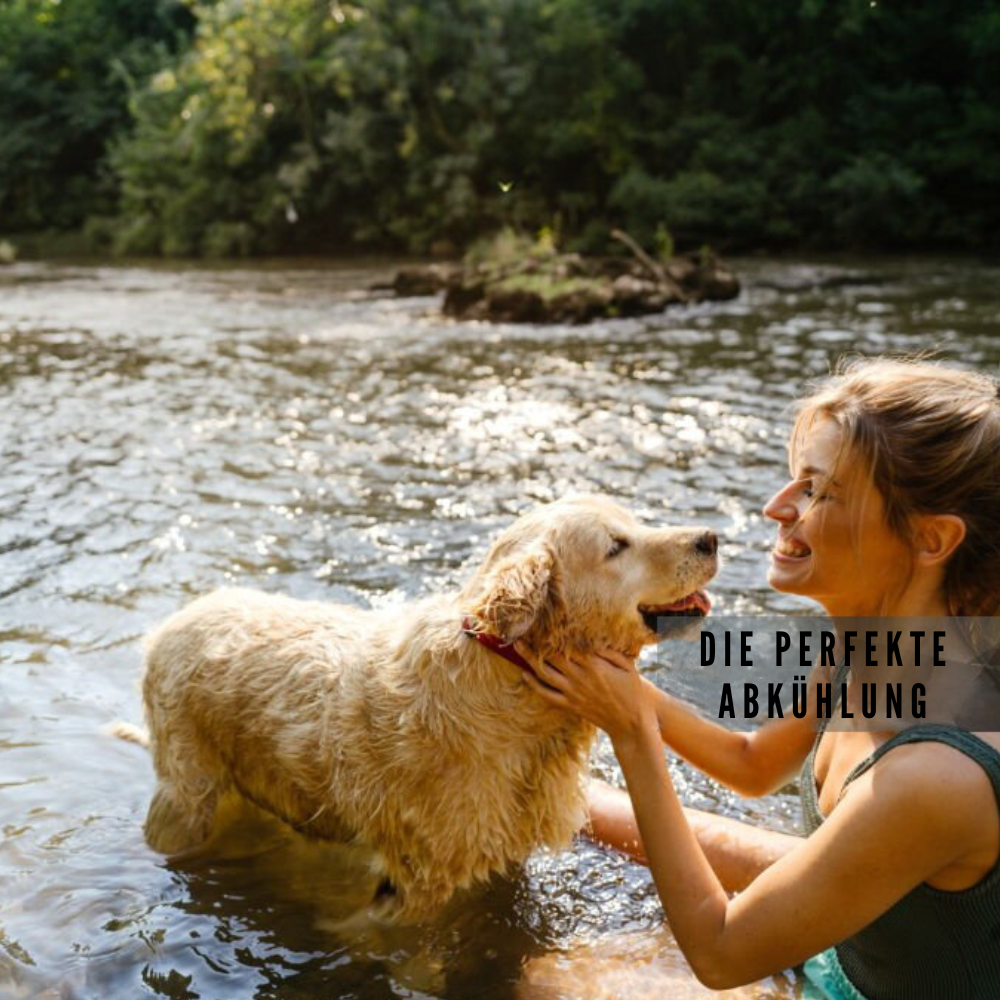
{"x": 495, "y": 644}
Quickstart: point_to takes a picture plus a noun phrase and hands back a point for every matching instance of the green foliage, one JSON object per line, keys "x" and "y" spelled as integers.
{"x": 503, "y": 249}
{"x": 300, "y": 124}
{"x": 65, "y": 72}
{"x": 546, "y": 242}
{"x": 879, "y": 200}
{"x": 548, "y": 287}
{"x": 664, "y": 243}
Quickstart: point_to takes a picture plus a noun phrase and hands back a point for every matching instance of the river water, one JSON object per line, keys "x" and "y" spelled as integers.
{"x": 166, "y": 430}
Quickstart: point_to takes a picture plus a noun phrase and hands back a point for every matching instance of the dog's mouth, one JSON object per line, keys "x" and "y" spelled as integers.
{"x": 695, "y": 605}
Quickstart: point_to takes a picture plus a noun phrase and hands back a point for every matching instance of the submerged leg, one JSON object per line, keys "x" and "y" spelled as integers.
{"x": 175, "y": 823}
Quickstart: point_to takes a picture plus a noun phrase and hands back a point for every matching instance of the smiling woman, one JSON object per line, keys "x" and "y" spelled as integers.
{"x": 844, "y": 536}
{"x": 893, "y": 508}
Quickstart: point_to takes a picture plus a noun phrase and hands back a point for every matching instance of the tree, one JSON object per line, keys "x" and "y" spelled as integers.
{"x": 65, "y": 73}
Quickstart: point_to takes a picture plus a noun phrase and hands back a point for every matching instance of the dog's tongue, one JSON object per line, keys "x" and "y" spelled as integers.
{"x": 699, "y": 599}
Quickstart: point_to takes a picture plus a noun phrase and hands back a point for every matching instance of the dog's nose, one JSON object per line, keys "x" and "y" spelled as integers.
{"x": 707, "y": 544}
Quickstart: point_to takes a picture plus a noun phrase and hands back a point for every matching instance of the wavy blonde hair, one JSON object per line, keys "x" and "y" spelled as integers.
{"x": 928, "y": 436}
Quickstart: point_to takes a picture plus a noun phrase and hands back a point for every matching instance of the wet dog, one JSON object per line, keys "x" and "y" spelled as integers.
{"x": 396, "y": 727}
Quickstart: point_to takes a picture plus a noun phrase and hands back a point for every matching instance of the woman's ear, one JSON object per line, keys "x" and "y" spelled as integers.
{"x": 937, "y": 537}
{"x": 522, "y": 592}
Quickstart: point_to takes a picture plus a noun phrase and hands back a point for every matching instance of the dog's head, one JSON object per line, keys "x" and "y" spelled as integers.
{"x": 582, "y": 573}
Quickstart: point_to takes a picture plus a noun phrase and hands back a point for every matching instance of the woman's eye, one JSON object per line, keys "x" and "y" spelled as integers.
{"x": 618, "y": 545}
{"x": 809, "y": 492}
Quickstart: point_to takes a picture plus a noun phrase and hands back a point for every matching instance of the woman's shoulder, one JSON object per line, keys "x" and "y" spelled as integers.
{"x": 951, "y": 794}
{"x": 942, "y": 786}
{"x": 935, "y": 750}
{"x": 922, "y": 811}
{"x": 927, "y": 764}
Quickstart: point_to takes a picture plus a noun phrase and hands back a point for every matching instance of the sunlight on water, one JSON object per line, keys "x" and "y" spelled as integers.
{"x": 168, "y": 430}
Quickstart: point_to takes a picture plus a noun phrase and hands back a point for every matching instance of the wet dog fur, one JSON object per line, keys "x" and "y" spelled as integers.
{"x": 393, "y": 727}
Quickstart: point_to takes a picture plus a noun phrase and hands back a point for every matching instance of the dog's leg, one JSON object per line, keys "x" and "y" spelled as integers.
{"x": 176, "y": 824}
{"x": 402, "y": 898}
{"x": 387, "y": 903}
{"x": 384, "y": 889}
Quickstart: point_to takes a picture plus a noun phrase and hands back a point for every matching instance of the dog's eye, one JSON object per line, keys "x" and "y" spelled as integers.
{"x": 618, "y": 545}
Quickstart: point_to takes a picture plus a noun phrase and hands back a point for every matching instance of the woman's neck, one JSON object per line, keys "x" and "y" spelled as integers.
{"x": 912, "y": 605}
{"x": 920, "y": 599}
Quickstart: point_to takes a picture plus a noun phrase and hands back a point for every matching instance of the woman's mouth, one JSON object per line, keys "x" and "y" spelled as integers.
{"x": 786, "y": 549}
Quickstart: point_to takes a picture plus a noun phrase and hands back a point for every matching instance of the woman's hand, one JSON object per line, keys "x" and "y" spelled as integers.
{"x": 605, "y": 689}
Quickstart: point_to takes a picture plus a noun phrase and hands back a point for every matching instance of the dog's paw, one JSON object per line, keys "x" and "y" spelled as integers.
{"x": 175, "y": 826}
{"x": 384, "y": 910}
{"x": 387, "y": 906}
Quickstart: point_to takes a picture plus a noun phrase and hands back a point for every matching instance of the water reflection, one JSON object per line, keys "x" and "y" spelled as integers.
{"x": 169, "y": 430}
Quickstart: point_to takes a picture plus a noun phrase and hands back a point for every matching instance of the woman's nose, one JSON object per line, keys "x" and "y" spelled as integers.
{"x": 781, "y": 507}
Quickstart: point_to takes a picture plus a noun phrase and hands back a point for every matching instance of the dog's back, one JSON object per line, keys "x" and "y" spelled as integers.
{"x": 236, "y": 688}
{"x": 389, "y": 727}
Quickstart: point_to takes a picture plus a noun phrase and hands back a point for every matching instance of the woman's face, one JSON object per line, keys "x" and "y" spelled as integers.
{"x": 833, "y": 543}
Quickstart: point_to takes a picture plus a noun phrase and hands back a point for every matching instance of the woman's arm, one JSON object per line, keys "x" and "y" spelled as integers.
{"x": 870, "y": 852}
{"x": 898, "y": 824}
{"x": 749, "y": 763}
{"x": 737, "y": 852}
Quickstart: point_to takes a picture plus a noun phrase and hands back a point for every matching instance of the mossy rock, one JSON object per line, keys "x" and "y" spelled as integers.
{"x": 513, "y": 281}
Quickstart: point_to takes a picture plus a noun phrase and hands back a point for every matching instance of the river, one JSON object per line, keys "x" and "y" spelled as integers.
{"x": 169, "y": 429}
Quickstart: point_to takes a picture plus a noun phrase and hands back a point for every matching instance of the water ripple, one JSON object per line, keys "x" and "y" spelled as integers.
{"x": 170, "y": 429}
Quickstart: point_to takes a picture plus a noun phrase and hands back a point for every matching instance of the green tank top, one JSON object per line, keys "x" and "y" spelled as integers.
{"x": 933, "y": 944}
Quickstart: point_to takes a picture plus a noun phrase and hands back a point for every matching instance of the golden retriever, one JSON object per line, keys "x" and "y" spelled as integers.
{"x": 395, "y": 727}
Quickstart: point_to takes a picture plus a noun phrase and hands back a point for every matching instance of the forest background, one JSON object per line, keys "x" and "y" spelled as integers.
{"x": 234, "y": 127}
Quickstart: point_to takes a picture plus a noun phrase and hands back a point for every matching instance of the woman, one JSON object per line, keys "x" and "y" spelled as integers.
{"x": 893, "y": 509}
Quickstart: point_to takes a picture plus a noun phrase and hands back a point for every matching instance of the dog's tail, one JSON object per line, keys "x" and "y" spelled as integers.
{"x": 128, "y": 732}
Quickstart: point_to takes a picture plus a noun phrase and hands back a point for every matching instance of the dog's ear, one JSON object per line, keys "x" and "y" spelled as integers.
{"x": 520, "y": 594}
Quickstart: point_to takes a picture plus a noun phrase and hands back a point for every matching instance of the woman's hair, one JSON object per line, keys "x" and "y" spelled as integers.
{"x": 928, "y": 435}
